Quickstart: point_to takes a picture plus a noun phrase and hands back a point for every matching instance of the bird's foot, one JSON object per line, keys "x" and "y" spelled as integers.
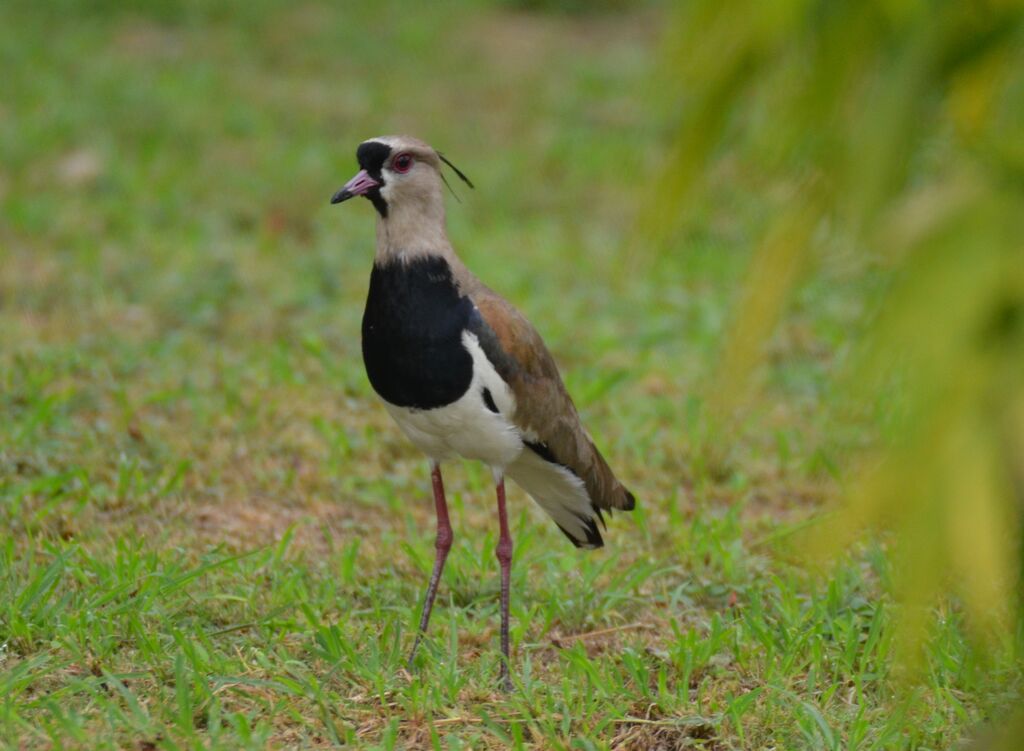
{"x": 504, "y": 680}
{"x": 411, "y": 662}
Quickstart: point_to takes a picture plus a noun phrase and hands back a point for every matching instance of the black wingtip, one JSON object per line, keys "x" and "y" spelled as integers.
{"x": 630, "y": 502}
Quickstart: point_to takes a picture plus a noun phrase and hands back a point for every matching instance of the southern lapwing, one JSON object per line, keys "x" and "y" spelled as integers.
{"x": 462, "y": 372}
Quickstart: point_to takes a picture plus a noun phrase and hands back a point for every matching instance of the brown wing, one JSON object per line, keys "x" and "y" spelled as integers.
{"x": 543, "y": 407}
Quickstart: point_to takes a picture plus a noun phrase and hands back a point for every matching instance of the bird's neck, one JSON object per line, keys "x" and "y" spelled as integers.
{"x": 412, "y": 230}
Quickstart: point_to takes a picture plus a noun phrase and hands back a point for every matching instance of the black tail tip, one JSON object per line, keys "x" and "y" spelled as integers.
{"x": 593, "y": 536}
{"x": 630, "y": 503}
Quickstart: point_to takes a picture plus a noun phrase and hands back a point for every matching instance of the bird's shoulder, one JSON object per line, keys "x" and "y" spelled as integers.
{"x": 544, "y": 411}
{"x": 511, "y": 342}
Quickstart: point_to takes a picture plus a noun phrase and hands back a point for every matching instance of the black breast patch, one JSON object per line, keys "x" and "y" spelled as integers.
{"x": 412, "y": 334}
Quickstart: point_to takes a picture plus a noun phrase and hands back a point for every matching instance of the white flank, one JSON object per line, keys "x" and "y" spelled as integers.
{"x": 466, "y": 427}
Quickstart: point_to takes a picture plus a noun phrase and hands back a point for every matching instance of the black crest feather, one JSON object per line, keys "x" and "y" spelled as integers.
{"x": 456, "y": 170}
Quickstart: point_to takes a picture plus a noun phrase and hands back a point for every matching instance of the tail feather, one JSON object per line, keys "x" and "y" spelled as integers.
{"x": 564, "y": 496}
{"x": 607, "y": 492}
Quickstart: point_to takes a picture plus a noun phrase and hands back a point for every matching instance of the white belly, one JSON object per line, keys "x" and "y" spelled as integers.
{"x": 466, "y": 427}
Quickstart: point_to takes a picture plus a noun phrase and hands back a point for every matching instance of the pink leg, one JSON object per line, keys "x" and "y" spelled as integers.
{"x": 442, "y": 544}
{"x": 504, "y": 553}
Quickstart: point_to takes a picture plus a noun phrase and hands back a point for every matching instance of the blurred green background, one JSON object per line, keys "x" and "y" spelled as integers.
{"x": 775, "y": 248}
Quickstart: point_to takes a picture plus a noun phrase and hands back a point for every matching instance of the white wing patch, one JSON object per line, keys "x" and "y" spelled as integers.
{"x": 484, "y": 372}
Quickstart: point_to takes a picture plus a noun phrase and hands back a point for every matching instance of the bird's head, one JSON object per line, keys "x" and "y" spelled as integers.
{"x": 397, "y": 171}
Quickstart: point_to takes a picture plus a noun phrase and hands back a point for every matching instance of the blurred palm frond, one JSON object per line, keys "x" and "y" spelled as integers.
{"x": 897, "y": 126}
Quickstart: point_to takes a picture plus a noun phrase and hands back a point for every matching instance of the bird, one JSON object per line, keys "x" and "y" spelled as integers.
{"x": 463, "y": 373}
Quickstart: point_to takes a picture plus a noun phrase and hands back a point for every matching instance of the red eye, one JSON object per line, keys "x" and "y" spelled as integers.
{"x": 402, "y": 163}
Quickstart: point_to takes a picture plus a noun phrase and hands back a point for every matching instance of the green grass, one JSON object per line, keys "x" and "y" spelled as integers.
{"x": 216, "y": 538}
